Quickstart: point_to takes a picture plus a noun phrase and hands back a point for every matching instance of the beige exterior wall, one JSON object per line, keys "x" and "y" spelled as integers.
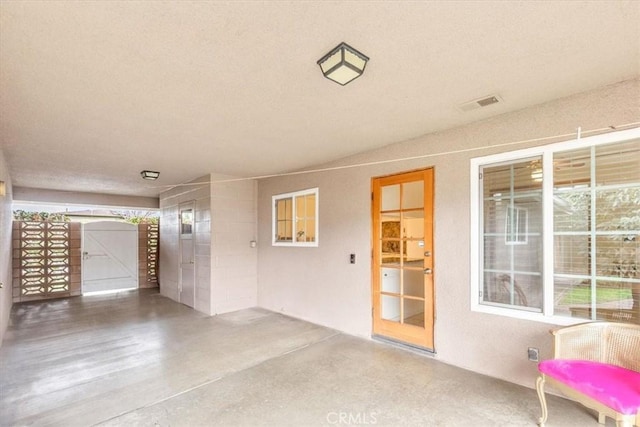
{"x": 5, "y": 248}
{"x": 225, "y": 223}
{"x": 319, "y": 284}
{"x": 234, "y": 263}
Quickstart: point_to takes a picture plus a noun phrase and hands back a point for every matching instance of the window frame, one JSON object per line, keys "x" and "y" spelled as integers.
{"x": 476, "y": 222}
{"x": 274, "y": 217}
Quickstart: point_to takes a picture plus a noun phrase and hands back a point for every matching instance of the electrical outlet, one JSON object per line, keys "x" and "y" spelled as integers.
{"x": 352, "y": 258}
{"x": 533, "y": 354}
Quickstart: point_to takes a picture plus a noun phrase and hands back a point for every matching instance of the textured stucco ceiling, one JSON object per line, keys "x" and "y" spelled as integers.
{"x": 91, "y": 93}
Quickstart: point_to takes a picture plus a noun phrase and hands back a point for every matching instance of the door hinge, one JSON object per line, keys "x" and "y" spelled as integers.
{"x": 480, "y": 175}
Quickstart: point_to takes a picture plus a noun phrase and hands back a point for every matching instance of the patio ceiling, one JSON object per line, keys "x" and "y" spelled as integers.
{"x": 94, "y": 92}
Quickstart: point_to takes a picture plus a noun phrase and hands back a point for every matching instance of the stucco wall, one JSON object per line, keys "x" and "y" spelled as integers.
{"x": 5, "y": 248}
{"x": 319, "y": 284}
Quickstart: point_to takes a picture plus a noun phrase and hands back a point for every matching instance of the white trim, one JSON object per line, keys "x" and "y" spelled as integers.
{"x": 274, "y": 215}
{"x": 476, "y": 249}
{"x": 547, "y": 238}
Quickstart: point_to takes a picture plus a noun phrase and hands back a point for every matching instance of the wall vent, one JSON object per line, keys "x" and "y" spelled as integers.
{"x": 481, "y": 102}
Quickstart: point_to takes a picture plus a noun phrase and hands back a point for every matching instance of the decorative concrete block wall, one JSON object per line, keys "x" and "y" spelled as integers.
{"x": 148, "y": 245}
{"x": 46, "y": 260}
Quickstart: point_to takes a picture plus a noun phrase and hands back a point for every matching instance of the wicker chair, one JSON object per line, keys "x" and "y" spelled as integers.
{"x": 594, "y": 362}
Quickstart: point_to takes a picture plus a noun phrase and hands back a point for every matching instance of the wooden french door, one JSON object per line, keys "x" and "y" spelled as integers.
{"x": 403, "y": 292}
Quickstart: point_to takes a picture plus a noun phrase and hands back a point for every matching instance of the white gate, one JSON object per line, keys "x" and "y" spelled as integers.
{"x": 109, "y": 256}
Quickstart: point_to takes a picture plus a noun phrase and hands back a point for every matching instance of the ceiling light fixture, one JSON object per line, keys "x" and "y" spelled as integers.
{"x": 150, "y": 175}
{"x": 343, "y": 64}
{"x": 480, "y": 103}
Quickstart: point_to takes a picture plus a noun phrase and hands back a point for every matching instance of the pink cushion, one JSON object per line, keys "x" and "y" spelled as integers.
{"x": 613, "y": 386}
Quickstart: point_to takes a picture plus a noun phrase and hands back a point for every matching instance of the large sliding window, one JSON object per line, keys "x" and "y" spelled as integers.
{"x": 556, "y": 231}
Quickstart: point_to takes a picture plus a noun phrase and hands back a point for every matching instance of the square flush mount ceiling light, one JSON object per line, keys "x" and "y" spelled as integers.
{"x": 343, "y": 64}
{"x": 150, "y": 175}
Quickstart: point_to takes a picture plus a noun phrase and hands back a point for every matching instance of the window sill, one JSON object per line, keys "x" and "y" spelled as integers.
{"x": 527, "y": 315}
{"x": 296, "y": 245}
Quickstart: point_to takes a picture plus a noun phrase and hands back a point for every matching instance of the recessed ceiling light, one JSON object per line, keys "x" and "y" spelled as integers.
{"x": 150, "y": 175}
{"x": 485, "y": 101}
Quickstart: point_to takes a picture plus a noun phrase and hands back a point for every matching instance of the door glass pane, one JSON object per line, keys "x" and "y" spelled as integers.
{"x": 390, "y": 197}
{"x": 413, "y": 195}
{"x": 413, "y": 312}
{"x": 413, "y": 225}
{"x": 414, "y": 253}
{"x": 391, "y": 280}
{"x": 186, "y": 221}
{"x": 413, "y": 283}
{"x": 390, "y": 232}
{"x": 390, "y": 308}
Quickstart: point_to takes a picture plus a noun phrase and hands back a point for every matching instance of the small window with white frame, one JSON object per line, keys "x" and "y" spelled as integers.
{"x": 556, "y": 231}
{"x": 295, "y": 218}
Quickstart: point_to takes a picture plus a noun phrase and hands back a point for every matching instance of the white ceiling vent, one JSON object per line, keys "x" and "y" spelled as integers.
{"x": 485, "y": 101}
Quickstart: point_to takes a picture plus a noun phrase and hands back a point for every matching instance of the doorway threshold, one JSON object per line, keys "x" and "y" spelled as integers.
{"x": 405, "y": 346}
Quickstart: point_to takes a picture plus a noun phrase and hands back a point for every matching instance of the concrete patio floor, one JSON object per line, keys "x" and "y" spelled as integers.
{"x": 139, "y": 359}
